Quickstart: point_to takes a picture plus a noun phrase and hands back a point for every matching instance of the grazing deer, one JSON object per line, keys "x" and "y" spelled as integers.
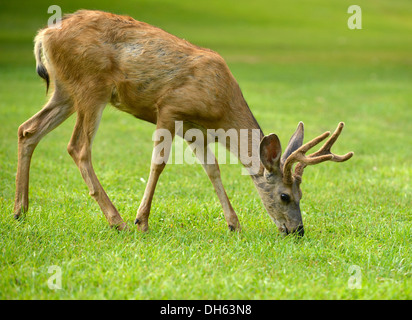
{"x": 97, "y": 57}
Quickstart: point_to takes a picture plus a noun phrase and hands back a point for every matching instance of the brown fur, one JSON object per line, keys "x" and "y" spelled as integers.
{"x": 140, "y": 69}
{"x": 98, "y": 57}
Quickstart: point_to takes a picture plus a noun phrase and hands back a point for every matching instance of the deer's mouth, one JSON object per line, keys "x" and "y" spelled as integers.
{"x": 299, "y": 231}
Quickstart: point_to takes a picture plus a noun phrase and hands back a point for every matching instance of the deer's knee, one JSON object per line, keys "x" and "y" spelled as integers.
{"x": 26, "y": 140}
{"x": 78, "y": 153}
{"x": 25, "y": 131}
{"x": 71, "y": 149}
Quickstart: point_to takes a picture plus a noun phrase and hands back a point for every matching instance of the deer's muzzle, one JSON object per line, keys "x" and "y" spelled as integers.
{"x": 298, "y": 231}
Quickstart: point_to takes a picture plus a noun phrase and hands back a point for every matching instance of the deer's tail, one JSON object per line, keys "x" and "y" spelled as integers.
{"x": 39, "y": 54}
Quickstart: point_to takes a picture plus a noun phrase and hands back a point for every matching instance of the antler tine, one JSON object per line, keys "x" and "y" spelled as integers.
{"x": 323, "y": 153}
{"x": 299, "y": 156}
{"x": 325, "y": 149}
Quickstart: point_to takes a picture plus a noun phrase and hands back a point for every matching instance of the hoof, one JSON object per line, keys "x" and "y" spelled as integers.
{"x": 234, "y": 227}
{"x": 121, "y": 227}
{"x": 18, "y": 216}
{"x": 141, "y": 225}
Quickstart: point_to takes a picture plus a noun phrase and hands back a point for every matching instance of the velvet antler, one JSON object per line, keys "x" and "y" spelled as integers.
{"x": 324, "y": 154}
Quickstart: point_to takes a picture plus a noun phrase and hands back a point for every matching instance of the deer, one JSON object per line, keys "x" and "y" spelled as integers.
{"x": 97, "y": 58}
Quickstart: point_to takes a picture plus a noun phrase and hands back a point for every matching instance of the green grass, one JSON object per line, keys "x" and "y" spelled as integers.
{"x": 295, "y": 61}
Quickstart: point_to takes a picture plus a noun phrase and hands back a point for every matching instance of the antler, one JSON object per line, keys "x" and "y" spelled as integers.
{"x": 324, "y": 154}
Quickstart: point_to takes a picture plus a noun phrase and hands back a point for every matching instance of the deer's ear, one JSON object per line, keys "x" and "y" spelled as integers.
{"x": 295, "y": 142}
{"x": 270, "y": 151}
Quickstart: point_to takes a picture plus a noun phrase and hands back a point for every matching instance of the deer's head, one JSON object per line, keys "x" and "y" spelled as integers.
{"x": 279, "y": 187}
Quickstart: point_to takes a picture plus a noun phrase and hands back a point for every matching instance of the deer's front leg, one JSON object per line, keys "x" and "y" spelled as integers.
{"x": 208, "y": 160}
{"x": 163, "y": 142}
{"x": 210, "y": 165}
{"x": 213, "y": 173}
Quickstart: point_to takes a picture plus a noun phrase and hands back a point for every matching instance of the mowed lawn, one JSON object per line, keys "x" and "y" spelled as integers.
{"x": 295, "y": 61}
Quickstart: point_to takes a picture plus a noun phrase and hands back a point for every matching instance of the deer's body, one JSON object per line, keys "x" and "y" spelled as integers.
{"x": 140, "y": 69}
{"x": 96, "y": 58}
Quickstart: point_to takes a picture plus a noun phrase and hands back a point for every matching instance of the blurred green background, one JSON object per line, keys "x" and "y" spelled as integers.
{"x": 280, "y": 32}
{"x": 295, "y": 60}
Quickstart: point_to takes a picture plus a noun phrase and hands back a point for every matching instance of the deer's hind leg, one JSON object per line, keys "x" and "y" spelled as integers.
{"x": 58, "y": 109}
{"x": 80, "y": 149}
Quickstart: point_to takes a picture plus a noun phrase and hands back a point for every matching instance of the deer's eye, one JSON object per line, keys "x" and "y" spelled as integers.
{"x": 285, "y": 197}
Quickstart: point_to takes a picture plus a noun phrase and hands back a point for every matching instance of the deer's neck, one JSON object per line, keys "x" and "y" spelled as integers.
{"x": 249, "y": 136}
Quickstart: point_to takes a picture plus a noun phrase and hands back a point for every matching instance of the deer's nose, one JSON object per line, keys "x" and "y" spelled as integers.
{"x": 299, "y": 231}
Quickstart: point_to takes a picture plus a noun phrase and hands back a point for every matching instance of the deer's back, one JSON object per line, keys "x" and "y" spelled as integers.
{"x": 144, "y": 66}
